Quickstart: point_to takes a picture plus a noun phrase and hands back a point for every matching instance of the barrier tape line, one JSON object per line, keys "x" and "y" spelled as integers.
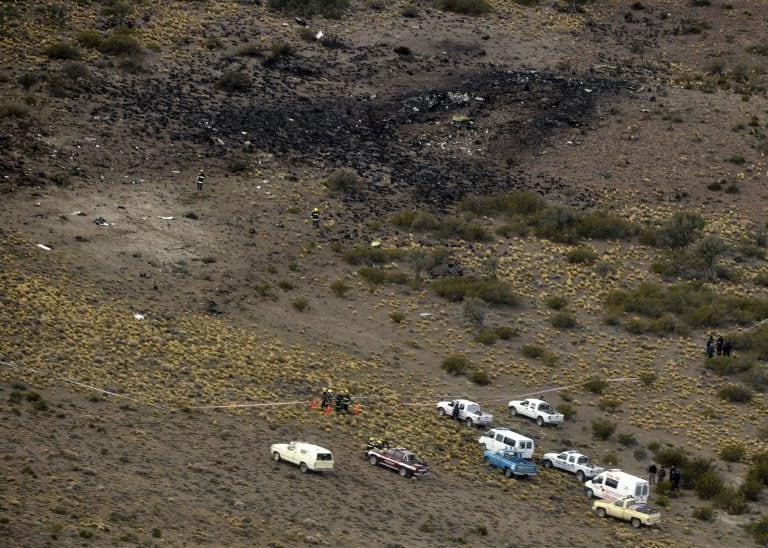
{"x": 519, "y": 396}
{"x": 84, "y": 385}
{"x": 237, "y": 405}
{"x": 293, "y": 402}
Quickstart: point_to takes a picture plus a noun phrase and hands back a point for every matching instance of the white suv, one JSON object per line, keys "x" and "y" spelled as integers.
{"x": 305, "y": 455}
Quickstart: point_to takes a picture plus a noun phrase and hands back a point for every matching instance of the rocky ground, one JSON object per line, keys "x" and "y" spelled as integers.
{"x": 642, "y": 110}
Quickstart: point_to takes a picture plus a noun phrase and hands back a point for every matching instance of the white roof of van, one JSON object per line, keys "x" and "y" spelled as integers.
{"x": 508, "y": 431}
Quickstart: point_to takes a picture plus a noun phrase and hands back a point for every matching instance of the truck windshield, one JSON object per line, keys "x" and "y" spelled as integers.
{"x": 473, "y": 408}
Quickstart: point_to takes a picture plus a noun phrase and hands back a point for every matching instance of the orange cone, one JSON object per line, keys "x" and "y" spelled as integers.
{"x": 356, "y": 410}
{"x": 313, "y": 405}
{"x": 327, "y": 410}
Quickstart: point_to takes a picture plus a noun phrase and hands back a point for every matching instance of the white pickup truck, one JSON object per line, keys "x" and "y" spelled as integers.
{"x": 538, "y": 410}
{"x": 469, "y": 412}
{"x": 573, "y": 462}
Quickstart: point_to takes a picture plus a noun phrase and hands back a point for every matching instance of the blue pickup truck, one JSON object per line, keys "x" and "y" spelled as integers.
{"x": 511, "y": 462}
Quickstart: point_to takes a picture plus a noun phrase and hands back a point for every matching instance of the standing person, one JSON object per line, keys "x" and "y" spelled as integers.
{"x": 455, "y": 413}
{"x": 727, "y": 346}
{"x": 327, "y": 397}
{"x": 710, "y": 347}
{"x": 315, "y": 218}
{"x": 674, "y": 478}
{"x": 200, "y": 180}
{"x": 661, "y": 474}
{"x": 719, "y": 345}
{"x": 652, "y": 471}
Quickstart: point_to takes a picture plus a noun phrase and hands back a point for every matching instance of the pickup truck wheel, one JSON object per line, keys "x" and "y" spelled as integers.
{"x": 276, "y": 456}
{"x": 404, "y": 472}
{"x": 589, "y": 493}
{"x": 635, "y": 523}
{"x": 441, "y": 411}
{"x": 508, "y": 472}
{"x": 547, "y": 464}
{"x": 540, "y": 421}
{"x": 512, "y": 411}
{"x": 373, "y": 460}
{"x": 601, "y": 512}
{"x": 469, "y": 422}
{"x": 580, "y": 476}
{"x": 303, "y": 467}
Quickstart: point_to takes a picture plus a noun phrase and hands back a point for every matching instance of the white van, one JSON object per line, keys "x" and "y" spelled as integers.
{"x": 502, "y": 438}
{"x": 615, "y": 484}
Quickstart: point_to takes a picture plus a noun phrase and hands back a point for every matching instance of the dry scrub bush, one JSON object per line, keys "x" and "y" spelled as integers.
{"x": 681, "y": 230}
{"x": 397, "y": 317}
{"x": 491, "y": 291}
{"x": 363, "y": 255}
{"x": 647, "y": 377}
{"x": 567, "y": 410}
{"x": 563, "y": 320}
{"x": 691, "y": 302}
{"x": 62, "y": 50}
{"x": 479, "y": 377}
{"x": 728, "y": 365}
{"x": 339, "y": 287}
{"x": 556, "y": 302}
{"x": 487, "y": 337}
{"x": 378, "y": 276}
{"x": 466, "y": 7}
{"x": 331, "y": 9}
{"x": 596, "y": 386}
{"x": 344, "y": 182}
{"x": 609, "y": 404}
{"x": 603, "y": 429}
{"x": 234, "y": 82}
{"x": 90, "y": 39}
{"x": 627, "y": 439}
{"x": 735, "y": 393}
{"x": 704, "y": 513}
{"x": 474, "y": 310}
{"x": 733, "y": 452}
{"x": 532, "y": 351}
{"x": 456, "y": 365}
{"x": 419, "y": 221}
{"x": 508, "y": 203}
{"x": 461, "y": 228}
{"x": 13, "y": 110}
{"x": 505, "y": 332}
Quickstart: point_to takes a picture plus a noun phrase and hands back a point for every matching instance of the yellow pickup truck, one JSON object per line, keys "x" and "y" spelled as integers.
{"x": 629, "y": 510}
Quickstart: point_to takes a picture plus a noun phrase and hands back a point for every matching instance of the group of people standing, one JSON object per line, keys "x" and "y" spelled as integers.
{"x": 722, "y": 346}
{"x": 657, "y": 474}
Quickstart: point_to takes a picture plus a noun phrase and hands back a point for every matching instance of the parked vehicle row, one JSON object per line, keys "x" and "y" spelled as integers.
{"x": 623, "y": 495}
